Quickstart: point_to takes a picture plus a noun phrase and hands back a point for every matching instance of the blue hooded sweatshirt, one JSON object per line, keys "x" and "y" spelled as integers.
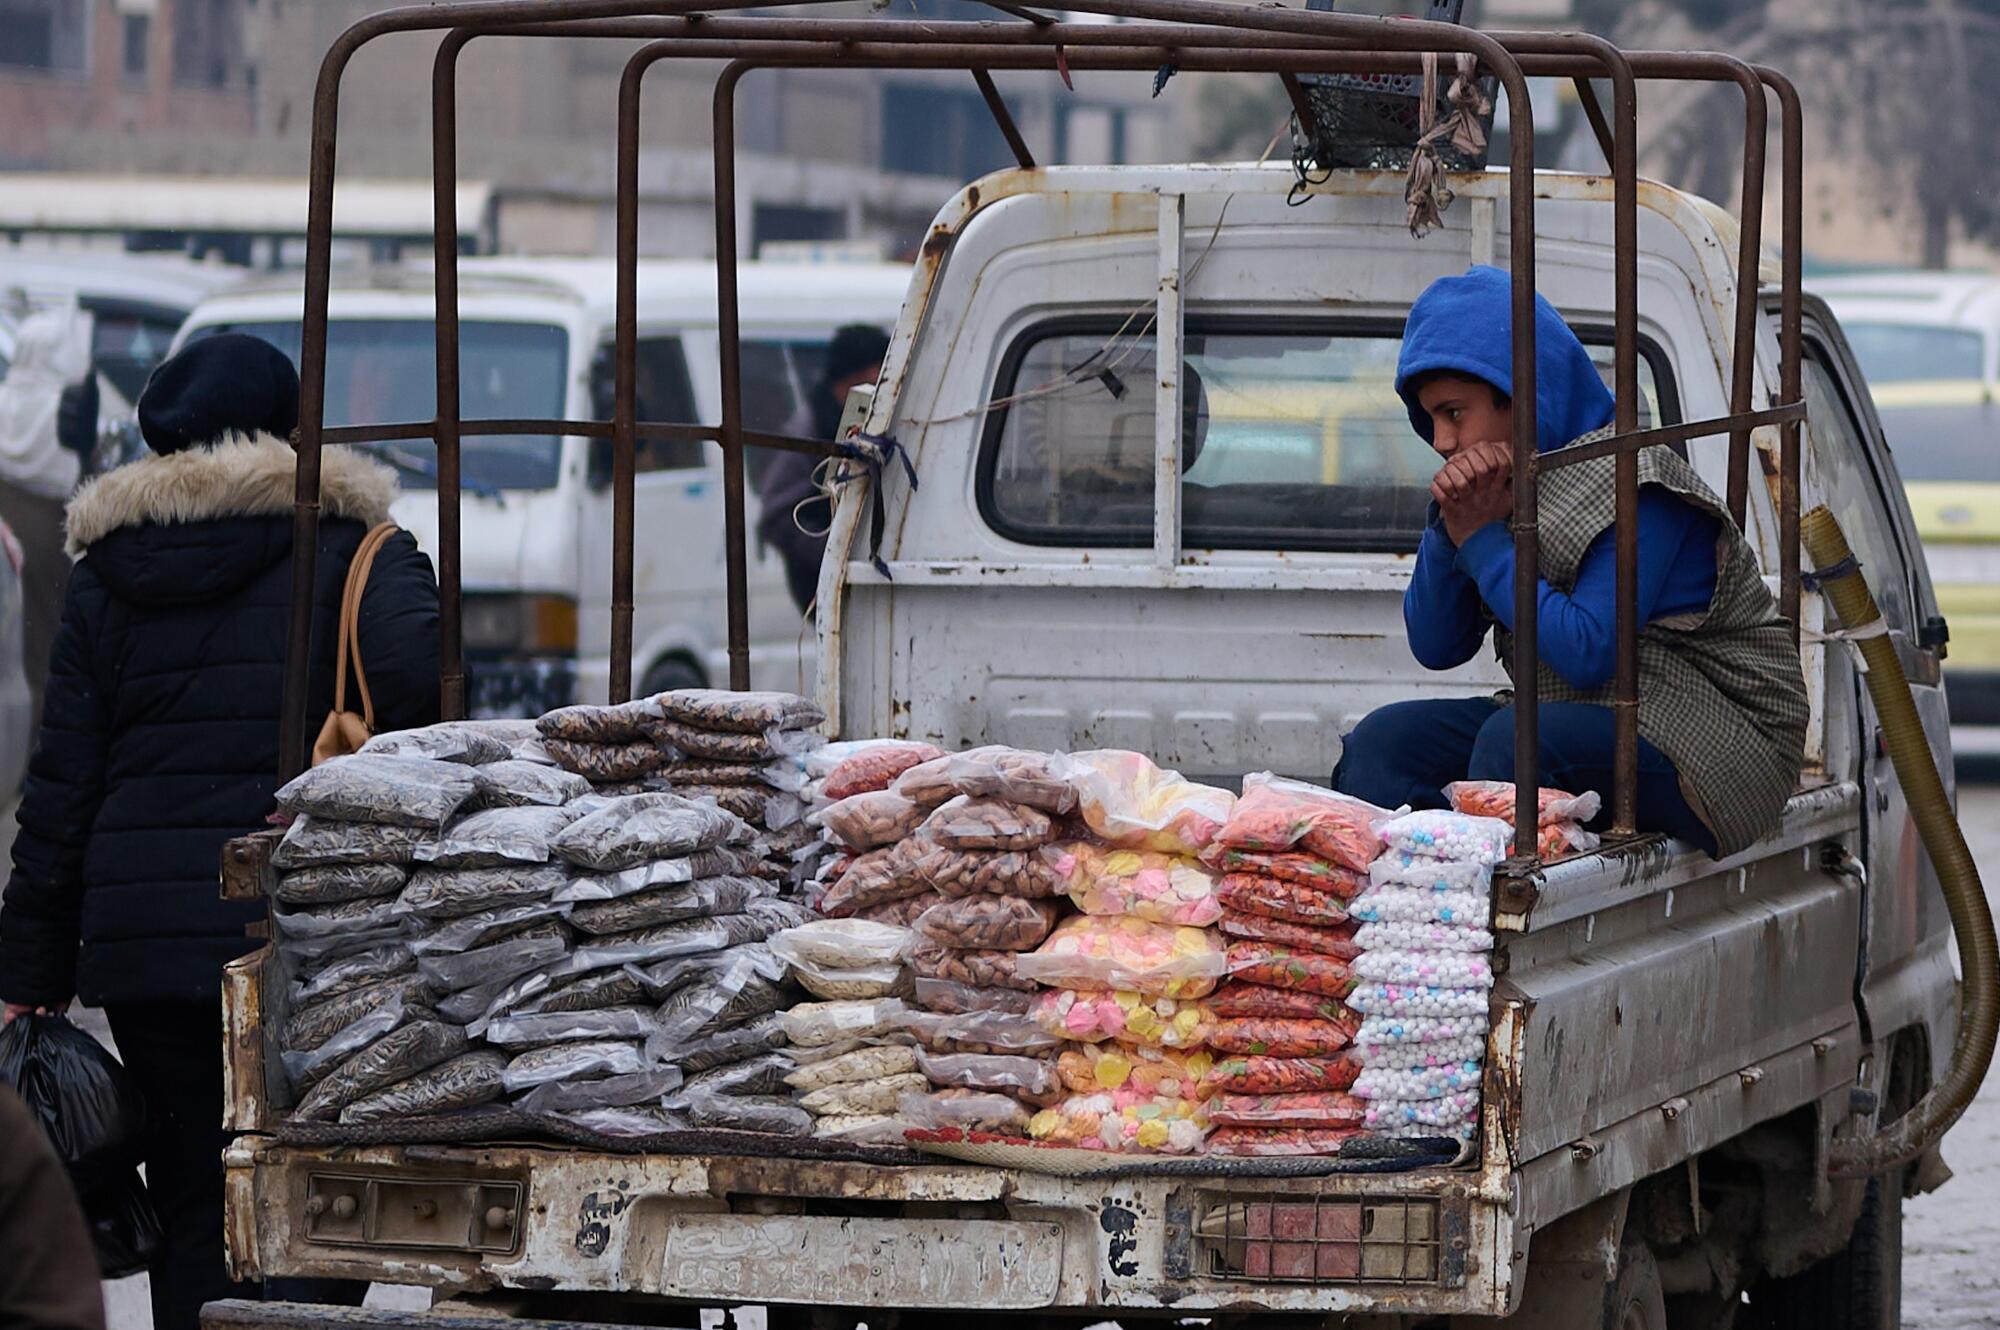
{"x": 1464, "y": 324}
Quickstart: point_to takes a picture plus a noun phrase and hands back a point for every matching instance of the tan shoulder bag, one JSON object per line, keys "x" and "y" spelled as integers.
{"x": 344, "y": 732}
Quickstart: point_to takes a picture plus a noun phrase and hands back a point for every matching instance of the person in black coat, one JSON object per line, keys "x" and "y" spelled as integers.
{"x": 159, "y": 742}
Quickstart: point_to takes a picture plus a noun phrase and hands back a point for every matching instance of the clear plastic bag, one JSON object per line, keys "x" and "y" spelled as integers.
{"x": 483, "y": 928}
{"x": 643, "y": 946}
{"x": 1400, "y": 868}
{"x": 725, "y": 998}
{"x": 985, "y": 1032}
{"x": 1237, "y": 998}
{"x": 1305, "y": 870}
{"x": 537, "y": 945}
{"x": 1336, "y": 942}
{"x": 972, "y": 968}
{"x": 588, "y": 992}
{"x": 1161, "y": 1072}
{"x": 438, "y": 894}
{"x": 357, "y": 970}
{"x": 313, "y": 1025}
{"x": 621, "y": 723}
{"x": 965, "y": 1110}
{"x": 500, "y": 837}
{"x": 1413, "y": 1083}
{"x": 573, "y": 1062}
{"x": 882, "y": 1095}
{"x": 899, "y": 913}
{"x": 874, "y": 879}
{"x": 1027, "y": 873}
{"x": 739, "y": 712}
{"x": 966, "y": 823}
{"x": 1091, "y": 952}
{"x": 759, "y": 1075}
{"x": 1125, "y": 1016}
{"x": 813, "y": 1023}
{"x": 339, "y": 884}
{"x": 305, "y": 1068}
{"x": 868, "y": 764}
{"x": 1393, "y": 1031}
{"x": 868, "y": 1063}
{"x": 1421, "y": 905}
{"x": 1279, "y": 1142}
{"x": 1417, "y": 1000}
{"x": 1276, "y": 814}
{"x": 606, "y": 765}
{"x": 871, "y": 981}
{"x": 400, "y": 791}
{"x": 447, "y": 742}
{"x": 951, "y": 998}
{"x": 1261, "y": 1075}
{"x": 1039, "y": 780}
{"x": 465, "y": 1081}
{"x": 306, "y": 953}
{"x": 1455, "y": 1113}
{"x": 396, "y": 1056}
{"x": 1407, "y": 1056}
{"x": 702, "y": 899}
{"x": 861, "y": 1129}
{"x": 631, "y": 1122}
{"x": 989, "y": 923}
{"x": 520, "y": 784}
{"x": 669, "y": 976}
{"x": 1273, "y": 898}
{"x": 769, "y": 1114}
{"x": 1127, "y": 801}
{"x": 1031, "y": 1080}
{"x": 622, "y": 1091}
{"x": 315, "y": 842}
{"x": 1124, "y": 1121}
{"x": 691, "y": 741}
{"x": 697, "y": 771}
{"x": 841, "y": 944}
{"x": 1496, "y": 798}
{"x": 1276, "y": 1037}
{"x": 1288, "y": 967}
{"x": 1319, "y": 1110}
{"x": 350, "y": 917}
{"x": 1445, "y": 969}
{"x": 760, "y": 1034}
{"x": 1441, "y": 834}
{"x": 648, "y": 826}
{"x": 754, "y": 804}
{"x": 1558, "y": 839}
{"x": 719, "y": 861}
{"x": 559, "y": 1027}
{"x": 1146, "y": 884}
{"x": 471, "y": 1006}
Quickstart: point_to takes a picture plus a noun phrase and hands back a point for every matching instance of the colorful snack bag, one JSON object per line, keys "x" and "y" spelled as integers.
{"x": 1408, "y": 1056}
{"x": 1129, "y": 802}
{"x": 1300, "y": 1108}
{"x": 1418, "y": 905}
{"x": 1159, "y": 888}
{"x": 1402, "y": 868}
{"x": 1120, "y": 1014}
{"x": 1305, "y": 870}
{"x": 1335, "y": 942}
{"x": 1400, "y": 936}
{"x": 1393, "y": 1030}
{"x": 1407, "y": 1000}
{"x": 1092, "y": 952}
{"x": 1287, "y": 967}
{"x": 1284, "y": 1141}
{"x": 1261, "y": 1075}
{"x": 1441, "y": 834}
{"x": 1163, "y": 1072}
{"x": 1417, "y": 1082}
{"x": 1496, "y": 798}
{"x": 1455, "y": 1114}
{"x": 1124, "y": 1120}
{"x": 1277, "y": 814}
{"x": 1254, "y": 1036}
{"x": 1274, "y": 898}
{"x": 1445, "y": 969}
{"x": 1237, "y": 998}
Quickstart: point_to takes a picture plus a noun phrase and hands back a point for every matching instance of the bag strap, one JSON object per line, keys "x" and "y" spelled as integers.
{"x": 349, "y": 644}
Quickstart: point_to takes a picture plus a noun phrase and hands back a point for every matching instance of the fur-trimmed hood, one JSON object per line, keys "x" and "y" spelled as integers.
{"x": 241, "y": 476}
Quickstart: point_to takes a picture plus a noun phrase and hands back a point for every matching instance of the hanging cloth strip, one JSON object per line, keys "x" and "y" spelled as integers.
{"x": 873, "y": 452}
{"x": 1426, "y": 192}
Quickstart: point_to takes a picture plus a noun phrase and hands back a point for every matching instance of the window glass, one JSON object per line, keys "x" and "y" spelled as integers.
{"x": 665, "y": 395}
{"x": 1851, "y": 487}
{"x": 1900, "y": 352}
{"x": 1947, "y": 432}
{"x": 1291, "y": 439}
{"x": 380, "y": 371}
{"x": 127, "y": 344}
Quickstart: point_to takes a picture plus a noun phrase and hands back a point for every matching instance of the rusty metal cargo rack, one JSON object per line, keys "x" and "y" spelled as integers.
{"x": 1187, "y": 34}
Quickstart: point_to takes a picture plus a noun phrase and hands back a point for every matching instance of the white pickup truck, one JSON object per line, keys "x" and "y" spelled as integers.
{"x": 1678, "y": 1043}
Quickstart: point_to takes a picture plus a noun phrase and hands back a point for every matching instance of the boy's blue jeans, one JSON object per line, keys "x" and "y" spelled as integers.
{"x": 1407, "y": 752}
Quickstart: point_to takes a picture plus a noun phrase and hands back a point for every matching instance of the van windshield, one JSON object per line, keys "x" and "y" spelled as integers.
{"x": 381, "y": 371}
{"x": 1941, "y": 432}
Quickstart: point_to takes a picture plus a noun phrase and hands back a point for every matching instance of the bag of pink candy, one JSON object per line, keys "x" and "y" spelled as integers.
{"x": 1146, "y": 884}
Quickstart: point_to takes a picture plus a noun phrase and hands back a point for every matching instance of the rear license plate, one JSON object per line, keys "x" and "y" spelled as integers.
{"x": 863, "y": 1262}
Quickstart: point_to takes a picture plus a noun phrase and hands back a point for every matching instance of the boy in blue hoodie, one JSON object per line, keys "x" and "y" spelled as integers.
{"x": 1455, "y": 376}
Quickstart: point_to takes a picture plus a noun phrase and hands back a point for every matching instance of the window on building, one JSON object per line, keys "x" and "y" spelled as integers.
{"x": 138, "y": 32}
{"x": 931, "y": 129}
{"x": 208, "y": 42}
{"x": 50, "y": 35}
{"x": 781, "y": 222}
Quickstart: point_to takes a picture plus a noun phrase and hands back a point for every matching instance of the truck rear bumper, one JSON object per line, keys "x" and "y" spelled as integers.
{"x": 710, "y": 1231}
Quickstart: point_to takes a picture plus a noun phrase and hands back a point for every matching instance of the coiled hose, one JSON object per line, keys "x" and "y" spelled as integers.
{"x": 1971, "y": 920}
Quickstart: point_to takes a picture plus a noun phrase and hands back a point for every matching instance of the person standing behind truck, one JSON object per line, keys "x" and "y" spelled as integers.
{"x": 160, "y": 743}
{"x": 1722, "y": 700}
{"x": 796, "y": 514}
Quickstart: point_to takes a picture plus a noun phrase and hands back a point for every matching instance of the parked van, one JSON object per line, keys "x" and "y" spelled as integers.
{"x": 536, "y": 533}
{"x": 1929, "y": 344}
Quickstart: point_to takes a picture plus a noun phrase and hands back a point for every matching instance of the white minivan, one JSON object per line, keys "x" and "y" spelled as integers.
{"x": 536, "y": 524}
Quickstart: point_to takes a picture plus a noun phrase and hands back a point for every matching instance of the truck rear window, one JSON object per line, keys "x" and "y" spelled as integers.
{"x": 1292, "y": 437}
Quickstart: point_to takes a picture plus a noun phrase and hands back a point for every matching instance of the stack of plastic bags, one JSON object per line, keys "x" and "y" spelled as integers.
{"x": 1293, "y": 856}
{"x": 851, "y": 1063}
{"x": 1426, "y": 973}
{"x": 1560, "y": 816}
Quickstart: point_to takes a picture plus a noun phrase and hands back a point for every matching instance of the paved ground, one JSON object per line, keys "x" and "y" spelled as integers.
{"x": 1951, "y": 1239}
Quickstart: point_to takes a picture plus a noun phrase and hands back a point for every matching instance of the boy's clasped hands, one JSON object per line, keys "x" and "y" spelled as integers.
{"x": 1475, "y": 488}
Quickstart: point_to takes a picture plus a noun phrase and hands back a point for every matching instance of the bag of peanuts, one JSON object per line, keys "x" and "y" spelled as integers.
{"x": 1028, "y": 873}
{"x": 966, "y": 823}
{"x": 870, "y": 819}
{"x": 1039, "y": 780}
{"x": 972, "y": 967}
{"x": 991, "y": 923}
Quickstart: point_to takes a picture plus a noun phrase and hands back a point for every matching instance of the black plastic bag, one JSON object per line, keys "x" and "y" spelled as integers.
{"x": 95, "y": 1117}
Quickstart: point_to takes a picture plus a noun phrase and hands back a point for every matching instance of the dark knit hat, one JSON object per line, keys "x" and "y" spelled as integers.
{"x": 230, "y": 383}
{"x": 856, "y": 347}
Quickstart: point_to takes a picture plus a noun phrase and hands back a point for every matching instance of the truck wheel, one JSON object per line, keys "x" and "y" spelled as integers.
{"x": 1859, "y": 1287}
{"x": 1634, "y": 1300}
{"x": 669, "y": 674}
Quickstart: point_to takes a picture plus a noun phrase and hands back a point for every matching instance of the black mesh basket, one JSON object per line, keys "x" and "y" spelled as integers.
{"x": 1370, "y": 121}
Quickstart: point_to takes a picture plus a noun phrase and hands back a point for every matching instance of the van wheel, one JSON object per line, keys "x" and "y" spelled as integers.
{"x": 1859, "y": 1287}
{"x": 1634, "y": 1300}
{"x": 671, "y": 673}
